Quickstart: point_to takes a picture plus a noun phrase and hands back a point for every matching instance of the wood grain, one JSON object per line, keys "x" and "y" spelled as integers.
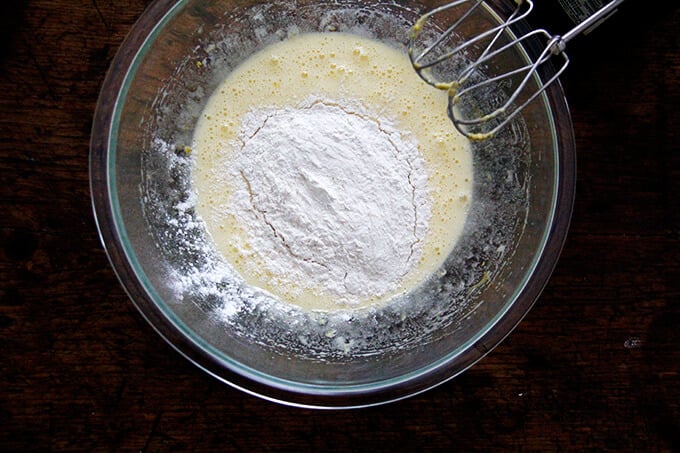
{"x": 595, "y": 365}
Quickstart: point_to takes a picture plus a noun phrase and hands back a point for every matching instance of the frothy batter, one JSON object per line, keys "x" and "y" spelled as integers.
{"x": 381, "y": 213}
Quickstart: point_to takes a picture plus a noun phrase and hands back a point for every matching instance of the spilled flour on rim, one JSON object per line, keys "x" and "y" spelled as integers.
{"x": 331, "y": 200}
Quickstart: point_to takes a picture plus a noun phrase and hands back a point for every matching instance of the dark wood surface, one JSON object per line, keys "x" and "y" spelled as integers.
{"x": 595, "y": 365}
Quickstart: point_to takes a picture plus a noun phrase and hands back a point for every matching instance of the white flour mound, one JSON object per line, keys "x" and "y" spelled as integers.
{"x": 333, "y": 199}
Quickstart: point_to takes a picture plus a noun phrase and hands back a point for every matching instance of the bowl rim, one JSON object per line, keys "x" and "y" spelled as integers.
{"x": 112, "y": 234}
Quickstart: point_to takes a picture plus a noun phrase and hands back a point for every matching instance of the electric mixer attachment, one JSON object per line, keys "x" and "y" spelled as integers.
{"x": 461, "y": 59}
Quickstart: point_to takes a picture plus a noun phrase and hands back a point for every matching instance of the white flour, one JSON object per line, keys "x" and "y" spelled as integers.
{"x": 332, "y": 199}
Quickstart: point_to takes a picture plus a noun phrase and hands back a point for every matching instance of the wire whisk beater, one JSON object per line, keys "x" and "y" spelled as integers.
{"x": 490, "y": 72}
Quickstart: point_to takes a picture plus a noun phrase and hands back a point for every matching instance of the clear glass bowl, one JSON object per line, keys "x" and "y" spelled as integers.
{"x": 163, "y": 74}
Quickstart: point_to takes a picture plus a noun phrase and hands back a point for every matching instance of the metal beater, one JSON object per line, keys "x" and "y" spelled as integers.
{"x": 443, "y": 60}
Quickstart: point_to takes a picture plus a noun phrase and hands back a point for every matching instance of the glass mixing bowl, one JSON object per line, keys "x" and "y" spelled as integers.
{"x": 170, "y": 63}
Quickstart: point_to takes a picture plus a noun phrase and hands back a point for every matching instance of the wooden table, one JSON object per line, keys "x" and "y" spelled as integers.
{"x": 595, "y": 364}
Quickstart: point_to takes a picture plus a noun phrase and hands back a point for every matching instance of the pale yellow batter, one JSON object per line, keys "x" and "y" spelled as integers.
{"x": 335, "y": 67}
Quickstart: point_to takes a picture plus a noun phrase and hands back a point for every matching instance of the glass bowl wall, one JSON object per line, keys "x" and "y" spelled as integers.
{"x": 174, "y": 57}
